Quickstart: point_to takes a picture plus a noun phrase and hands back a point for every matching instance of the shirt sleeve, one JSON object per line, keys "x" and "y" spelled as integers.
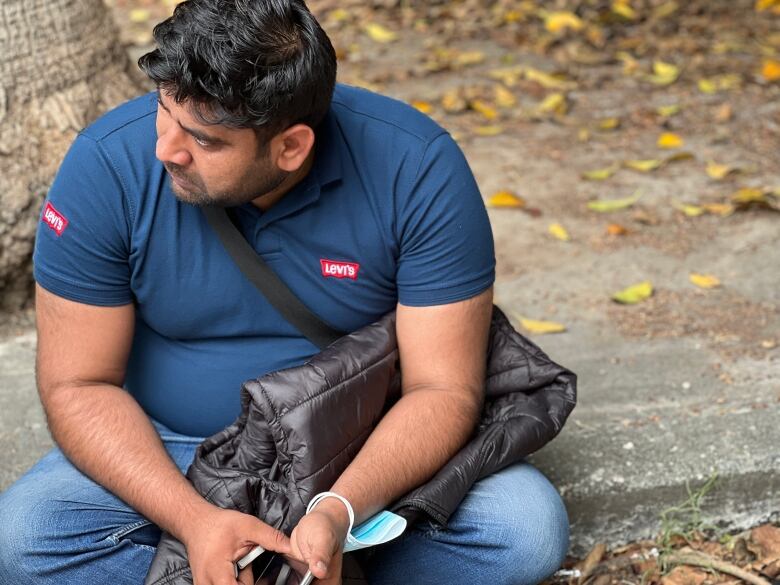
{"x": 82, "y": 243}
{"x": 446, "y": 244}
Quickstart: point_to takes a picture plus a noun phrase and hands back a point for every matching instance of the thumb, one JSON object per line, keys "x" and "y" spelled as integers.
{"x": 270, "y": 538}
{"x": 321, "y": 552}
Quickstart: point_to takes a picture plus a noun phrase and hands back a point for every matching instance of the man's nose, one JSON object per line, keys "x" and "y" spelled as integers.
{"x": 171, "y": 148}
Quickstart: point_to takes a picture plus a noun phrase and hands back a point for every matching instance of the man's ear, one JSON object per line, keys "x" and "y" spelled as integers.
{"x": 290, "y": 148}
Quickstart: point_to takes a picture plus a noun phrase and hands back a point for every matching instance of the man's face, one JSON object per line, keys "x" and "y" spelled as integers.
{"x": 212, "y": 164}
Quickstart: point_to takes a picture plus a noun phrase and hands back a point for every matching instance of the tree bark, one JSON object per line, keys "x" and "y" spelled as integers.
{"x": 61, "y": 65}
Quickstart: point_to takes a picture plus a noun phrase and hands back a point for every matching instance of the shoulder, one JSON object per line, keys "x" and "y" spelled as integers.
{"x": 128, "y": 118}
{"x": 381, "y": 115}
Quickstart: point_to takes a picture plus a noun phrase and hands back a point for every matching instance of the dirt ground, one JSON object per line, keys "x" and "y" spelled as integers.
{"x": 673, "y": 104}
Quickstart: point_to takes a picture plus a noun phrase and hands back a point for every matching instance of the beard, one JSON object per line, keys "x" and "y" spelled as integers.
{"x": 255, "y": 183}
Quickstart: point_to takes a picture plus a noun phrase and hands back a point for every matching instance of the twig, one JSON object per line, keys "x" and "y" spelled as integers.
{"x": 707, "y": 562}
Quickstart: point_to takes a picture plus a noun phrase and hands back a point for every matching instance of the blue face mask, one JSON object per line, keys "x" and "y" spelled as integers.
{"x": 378, "y": 529}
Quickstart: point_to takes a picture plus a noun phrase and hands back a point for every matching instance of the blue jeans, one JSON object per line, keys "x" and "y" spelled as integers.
{"x": 59, "y": 527}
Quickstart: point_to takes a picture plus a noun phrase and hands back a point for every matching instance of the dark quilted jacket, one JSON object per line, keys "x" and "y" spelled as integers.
{"x": 299, "y": 428}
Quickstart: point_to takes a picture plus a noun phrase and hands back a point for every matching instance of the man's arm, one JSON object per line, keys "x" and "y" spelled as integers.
{"x": 443, "y": 354}
{"x": 81, "y": 362}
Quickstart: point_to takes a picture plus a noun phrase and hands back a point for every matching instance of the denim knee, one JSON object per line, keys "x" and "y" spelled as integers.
{"x": 529, "y": 537}
{"x": 17, "y": 538}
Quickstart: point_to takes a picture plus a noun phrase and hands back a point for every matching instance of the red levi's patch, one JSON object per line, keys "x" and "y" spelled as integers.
{"x": 54, "y": 219}
{"x": 338, "y": 269}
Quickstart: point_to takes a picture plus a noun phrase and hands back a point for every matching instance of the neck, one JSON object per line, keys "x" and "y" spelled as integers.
{"x": 264, "y": 202}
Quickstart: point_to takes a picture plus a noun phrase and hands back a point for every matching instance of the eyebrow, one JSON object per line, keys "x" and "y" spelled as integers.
{"x": 203, "y": 136}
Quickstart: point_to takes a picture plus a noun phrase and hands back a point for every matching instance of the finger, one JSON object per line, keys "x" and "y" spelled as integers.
{"x": 246, "y": 576}
{"x": 333, "y": 576}
{"x": 269, "y": 538}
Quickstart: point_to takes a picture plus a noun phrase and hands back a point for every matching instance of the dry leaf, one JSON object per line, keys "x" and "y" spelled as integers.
{"x": 749, "y": 195}
{"x": 505, "y": 199}
{"x": 608, "y": 205}
{"x": 773, "y": 5}
{"x": 719, "y": 172}
{"x": 555, "y": 103}
{"x": 424, "y": 107}
{"x": 600, "y": 174}
{"x": 560, "y": 22}
{"x": 668, "y": 111}
{"x": 689, "y": 210}
{"x": 704, "y": 280}
{"x": 664, "y": 73}
{"x": 669, "y": 140}
{"x": 685, "y": 575}
{"x": 678, "y": 156}
{"x": 767, "y": 537}
{"x": 488, "y": 130}
{"x": 583, "y": 135}
{"x": 644, "y": 166}
{"x": 547, "y": 80}
{"x": 719, "y": 83}
{"x": 623, "y": 8}
{"x": 615, "y": 229}
{"x": 665, "y": 10}
{"x": 509, "y": 76}
{"x": 770, "y": 70}
{"x": 609, "y": 123}
{"x": 504, "y": 97}
{"x": 723, "y": 113}
{"x": 453, "y": 102}
{"x": 634, "y": 294}
{"x": 139, "y": 15}
{"x": 722, "y": 209}
{"x": 379, "y": 33}
{"x": 559, "y": 232}
{"x": 540, "y": 327}
{"x": 467, "y": 58}
{"x": 484, "y": 108}
{"x": 338, "y": 15}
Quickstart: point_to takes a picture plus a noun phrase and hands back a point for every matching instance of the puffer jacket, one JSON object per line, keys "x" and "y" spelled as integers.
{"x": 299, "y": 428}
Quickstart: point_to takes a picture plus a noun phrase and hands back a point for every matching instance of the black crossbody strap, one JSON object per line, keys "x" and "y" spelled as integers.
{"x": 267, "y": 282}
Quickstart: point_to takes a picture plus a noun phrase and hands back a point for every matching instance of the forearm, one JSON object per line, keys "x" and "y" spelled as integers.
{"x": 106, "y": 434}
{"x": 422, "y": 431}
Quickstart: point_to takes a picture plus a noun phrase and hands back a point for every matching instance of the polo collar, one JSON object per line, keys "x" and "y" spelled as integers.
{"x": 326, "y": 169}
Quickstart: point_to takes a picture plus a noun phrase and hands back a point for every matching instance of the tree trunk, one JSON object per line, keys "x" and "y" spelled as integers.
{"x": 61, "y": 65}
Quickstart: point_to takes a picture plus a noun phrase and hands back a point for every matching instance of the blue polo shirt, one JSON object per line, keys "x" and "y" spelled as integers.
{"x": 389, "y": 213}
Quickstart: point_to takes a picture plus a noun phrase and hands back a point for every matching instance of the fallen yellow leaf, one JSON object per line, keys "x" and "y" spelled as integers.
{"x": 609, "y": 123}
{"x": 559, "y": 232}
{"x": 634, "y": 294}
{"x": 664, "y": 73}
{"x": 615, "y": 229}
{"x": 546, "y": 80}
{"x": 139, "y": 15}
{"x": 488, "y": 130}
{"x": 719, "y": 172}
{"x": 665, "y": 10}
{"x": 583, "y": 135}
{"x": 338, "y": 15}
{"x": 668, "y": 111}
{"x": 623, "y": 8}
{"x": 704, "y": 280}
{"x": 504, "y": 97}
{"x": 560, "y": 22}
{"x": 773, "y": 5}
{"x": 453, "y": 102}
{"x": 555, "y": 103}
{"x": 722, "y": 209}
{"x": 607, "y": 205}
{"x": 719, "y": 83}
{"x": 770, "y": 70}
{"x": 484, "y": 108}
{"x": 644, "y": 165}
{"x": 540, "y": 327}
{"x": 424, "y": 107}
{"x": 505, "y": 199}
{"x": 669, "y": 140}
{"x": 678, "y": 156}
{"x": 509, "y": 76}
{"x": 600, "y": 174}
{"x": 689, "y": 210}
{"x": 379, "y": 33}
{"x": 748, "y": 195}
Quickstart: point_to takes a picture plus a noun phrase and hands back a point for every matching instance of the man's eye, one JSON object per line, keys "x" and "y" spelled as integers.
{"x": 202, "y": 142}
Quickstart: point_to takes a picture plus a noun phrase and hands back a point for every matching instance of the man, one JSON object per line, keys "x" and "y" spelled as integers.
{"x": 146, "y": 328}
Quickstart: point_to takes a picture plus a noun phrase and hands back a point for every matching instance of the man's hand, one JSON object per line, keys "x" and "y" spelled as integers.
{"x": 318, "y": 539}
{"x": 220, "y": 538}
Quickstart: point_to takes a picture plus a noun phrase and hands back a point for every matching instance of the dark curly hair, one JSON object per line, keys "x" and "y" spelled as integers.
{"x": 262, "y": 64}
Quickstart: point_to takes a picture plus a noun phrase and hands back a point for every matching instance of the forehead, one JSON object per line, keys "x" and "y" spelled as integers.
{"x": 193, "y": 115}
